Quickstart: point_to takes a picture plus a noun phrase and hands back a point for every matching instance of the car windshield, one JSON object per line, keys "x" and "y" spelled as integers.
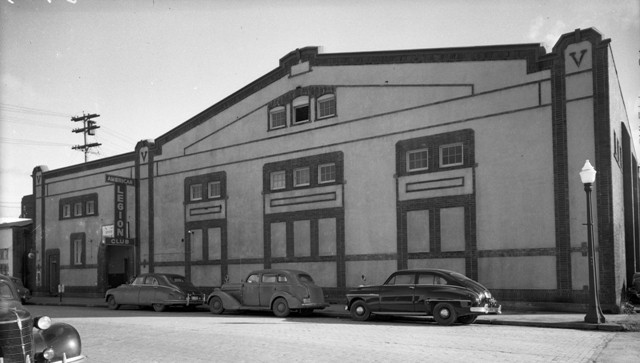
{"x": 305, "y": 278}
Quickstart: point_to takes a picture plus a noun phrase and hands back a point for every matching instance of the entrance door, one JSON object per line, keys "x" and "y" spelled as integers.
{"x": 119, "y": 270}
{"x": 53, "y": 271}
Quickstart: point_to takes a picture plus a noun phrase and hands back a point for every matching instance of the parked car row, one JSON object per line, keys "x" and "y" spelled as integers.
{"x": 448, "y": 296}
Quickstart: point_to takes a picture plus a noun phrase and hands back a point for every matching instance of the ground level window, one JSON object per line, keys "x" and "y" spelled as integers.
{"x": 78, "y": 249}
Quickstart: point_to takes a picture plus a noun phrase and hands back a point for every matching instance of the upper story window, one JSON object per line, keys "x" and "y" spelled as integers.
{"x": 326, "y": 106}
{"x": 78, "y": 206}
{"x": 90, "y": 207}
{"x": 434, "y": 153}
{"x": 301, "y": 110}
{"x": 277, "y": 118}
{"x": 301, "y": 177}
{"x": 326, "y": 173}
{"x": 214, "y": 190}
{"x": 196, "y": 192}
{"x": 418, "y": 160}
{"x": 451, "y": 155}
{"x": 278, "y": 180}
{"x": 307, "y": 172}
{"x": 205, "y": 187}
{"x": 66, "y": 211}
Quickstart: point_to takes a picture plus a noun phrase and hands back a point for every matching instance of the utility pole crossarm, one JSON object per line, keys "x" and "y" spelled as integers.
{"x": 88, "y": 127}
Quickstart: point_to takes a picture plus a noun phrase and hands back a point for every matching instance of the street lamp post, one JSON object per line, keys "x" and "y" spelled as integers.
{"x": 594, "y": 313}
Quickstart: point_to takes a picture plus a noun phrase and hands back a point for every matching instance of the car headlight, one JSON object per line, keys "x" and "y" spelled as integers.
{"x": 487, "y": 294}
{"x": 48, "y": 354}
{"x": 42, "y": 322}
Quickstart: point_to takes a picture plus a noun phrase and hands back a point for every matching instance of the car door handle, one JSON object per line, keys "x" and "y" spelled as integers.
{"x": 412, "y": 287}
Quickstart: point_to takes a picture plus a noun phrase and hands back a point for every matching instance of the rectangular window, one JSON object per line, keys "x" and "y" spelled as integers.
{"x": 300, "y": 177}
{"x": 301, "y": 113}
{"x": 66, "y": 211}
{"x": 326, "y": 173}
{"x": 77, "y": 251}
{"x": 196, "y": 192}
{"x": 326, "y": 106}
{"x": 451, "y": 155}
{"x": 77, "y": 209}
{"x": 214, "y": 189}
{"x": 278, "y": 180}
{"x": 4, "y": 254}
{"x": 90, "y": 207}
{"x": 418, "y": 160}
{"x": 277, "y": 118}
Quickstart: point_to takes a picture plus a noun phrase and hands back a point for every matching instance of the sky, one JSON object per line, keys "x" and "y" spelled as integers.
{"x": 146, "y": 66}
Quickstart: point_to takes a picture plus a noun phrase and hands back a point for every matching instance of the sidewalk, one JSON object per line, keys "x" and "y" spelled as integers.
{"x": 614, "y": 322}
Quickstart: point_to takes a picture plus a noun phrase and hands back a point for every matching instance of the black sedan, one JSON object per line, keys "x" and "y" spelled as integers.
{"x": 156, "y": 290}
{"x": 446, "y": 295}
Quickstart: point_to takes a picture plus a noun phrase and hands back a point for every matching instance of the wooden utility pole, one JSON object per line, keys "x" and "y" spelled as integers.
{"x": 88, "y": 127}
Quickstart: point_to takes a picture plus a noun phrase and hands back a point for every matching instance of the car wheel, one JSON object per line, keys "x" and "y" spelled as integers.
{"x": 281, "y": 308}
{"x": 467, "y": 319}
{"x": 360, "y": 311}
{"x": 159, "y": 307}
{"x": 445, "y": 314}
{"x": 111, "y": 303}
{"x": 216, "y": 306}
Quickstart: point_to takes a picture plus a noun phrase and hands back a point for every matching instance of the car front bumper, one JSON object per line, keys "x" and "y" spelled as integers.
{"x": 486, "y": 309}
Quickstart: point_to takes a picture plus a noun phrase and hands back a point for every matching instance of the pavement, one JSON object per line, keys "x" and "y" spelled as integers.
{"x": 543, "y": 319}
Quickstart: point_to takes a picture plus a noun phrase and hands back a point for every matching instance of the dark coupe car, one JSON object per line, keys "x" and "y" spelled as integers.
{"x": 24, "y": 338}
{"x": 156, "y": 290}
{"x": 446, "y": 295}
{"x": 280, "y": 291}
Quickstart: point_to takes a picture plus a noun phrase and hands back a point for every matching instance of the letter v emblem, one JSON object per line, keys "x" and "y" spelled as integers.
{"x": 578, "y": 61}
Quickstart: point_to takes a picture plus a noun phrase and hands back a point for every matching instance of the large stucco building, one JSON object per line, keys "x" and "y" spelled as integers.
{"x": 355, "y": 164}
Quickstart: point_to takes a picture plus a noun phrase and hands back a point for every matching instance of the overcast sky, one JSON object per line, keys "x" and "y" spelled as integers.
{"x": 146, "y": 66}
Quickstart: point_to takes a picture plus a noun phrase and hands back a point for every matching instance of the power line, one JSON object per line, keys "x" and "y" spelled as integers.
{"x": 7, "y": 140}
{"x": 37, "y": 111}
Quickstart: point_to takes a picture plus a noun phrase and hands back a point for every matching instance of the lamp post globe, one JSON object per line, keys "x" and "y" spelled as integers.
{"x": 594, "y": 312}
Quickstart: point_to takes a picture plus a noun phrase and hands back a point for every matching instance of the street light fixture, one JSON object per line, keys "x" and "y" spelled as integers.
{"x": 594, "y": 313}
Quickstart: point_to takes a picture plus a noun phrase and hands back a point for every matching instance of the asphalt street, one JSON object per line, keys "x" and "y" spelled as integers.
{"x": 142, "y": 335}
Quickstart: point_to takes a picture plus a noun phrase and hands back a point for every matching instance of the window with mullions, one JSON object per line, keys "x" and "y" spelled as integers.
{"x": 214, "y": 190}
{"x": 77, "y": 209}
{"x": 326, "y": 173}
{"x": 277, "y": 118}
{"x": 196, "y": 192}
{"x": 326, "y": 106}
{"x": 66, "y": 211}
{"x": 451, "y": 155}
{"x": 278, "y": 180}
{"x": 90, "y": 207}
{"x": 418, "y": 160}
{"x": 301, "y": 177}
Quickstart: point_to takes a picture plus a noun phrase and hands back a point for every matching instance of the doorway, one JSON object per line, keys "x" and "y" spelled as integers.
{"x": 53, "y": 270}
{"x": 119, "y": 265}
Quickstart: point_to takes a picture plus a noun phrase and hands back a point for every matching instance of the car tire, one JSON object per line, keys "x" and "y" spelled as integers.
{"x": 360, "y": 311}
{"x": 281, "y": 308}
{"x": 216, "y": 306}
{"x": 445, "y": 314}
{"x": 112, "y": 304}
{"x": 467, "y": 319}
{"x": 159, "y": 307}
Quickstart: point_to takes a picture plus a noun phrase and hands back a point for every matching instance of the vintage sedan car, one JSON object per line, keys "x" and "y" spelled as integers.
{"x": 448, "y": 296}
{"x": 24, "y": 338}
{"x": 280, "y": 291}
{"x": 23, "y": 292}
{"x": 156, "y": 290}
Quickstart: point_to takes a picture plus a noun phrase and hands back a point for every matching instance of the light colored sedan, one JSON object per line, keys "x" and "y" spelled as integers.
{"x": 156, "y": 290}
